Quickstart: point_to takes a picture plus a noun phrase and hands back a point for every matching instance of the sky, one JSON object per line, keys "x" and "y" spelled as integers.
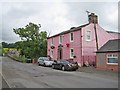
{"x": 54, "y": 16}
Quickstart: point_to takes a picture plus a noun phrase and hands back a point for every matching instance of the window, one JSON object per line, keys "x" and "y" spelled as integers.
{"x": 52, "y": 41}
{"x": 88, "y": 36}
{"x": 71, "y": 53}
{"x": 51, "y": 54}
{"x": 112, "y": 59}
{"x": 71, "y": 37}
{"x": 60, "y": 40}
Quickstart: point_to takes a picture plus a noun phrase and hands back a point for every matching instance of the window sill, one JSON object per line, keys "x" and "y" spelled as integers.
{"x": 71, "y": 41}
{"x": 71, "y": 57}
{"x": 112, "y": 64}
{"x": 88, "y": 40}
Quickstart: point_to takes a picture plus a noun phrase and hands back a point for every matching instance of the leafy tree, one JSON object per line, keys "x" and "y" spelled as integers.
{"x": 33, "y": 41}
{"x": 4, "y": 45}
{"x": 11, "y": 45}
{"x": 8, "y": 45}
{"x": 1, "y": 49}
{"x": 19, "y": 44}
{"x": 43, "y": 44}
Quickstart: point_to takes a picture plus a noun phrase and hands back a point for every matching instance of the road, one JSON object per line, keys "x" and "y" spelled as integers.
{"x": 3, "y": 83}
{"x": 23, "y": 75}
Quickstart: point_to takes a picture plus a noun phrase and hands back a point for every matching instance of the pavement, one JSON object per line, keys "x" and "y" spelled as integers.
{"x": 23, "y": 75}
{"x": 93, "y": 70}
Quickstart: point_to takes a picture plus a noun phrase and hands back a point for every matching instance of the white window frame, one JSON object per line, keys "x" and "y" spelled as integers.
{"x": 71, "y": 37}
{"x": 51, "y": 54}
{"x": 90, "y": 35}
{"x": 112, "y": 56}
{"x": 60, "y": 42}
{"x": 51, "y": 41}
{"x": 71, "y": 53}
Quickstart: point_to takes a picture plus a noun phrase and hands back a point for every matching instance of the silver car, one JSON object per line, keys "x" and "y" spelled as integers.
{"x": 44, "y": 61}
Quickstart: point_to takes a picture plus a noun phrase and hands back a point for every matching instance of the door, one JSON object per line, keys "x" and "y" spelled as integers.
{"x": 60, "y": 53}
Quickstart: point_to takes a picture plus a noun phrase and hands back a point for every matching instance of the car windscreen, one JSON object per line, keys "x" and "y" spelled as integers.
{"x": 64, "y": 61}
{"x": 70, "y": 61}
{"x": 46, "y": 59}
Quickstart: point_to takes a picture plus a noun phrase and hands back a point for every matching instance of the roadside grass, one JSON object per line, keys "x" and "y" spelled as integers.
{"x": 18, "y": 58}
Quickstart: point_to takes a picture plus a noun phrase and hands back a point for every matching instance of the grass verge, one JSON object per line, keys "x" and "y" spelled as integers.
{"x": 17, "y": 58}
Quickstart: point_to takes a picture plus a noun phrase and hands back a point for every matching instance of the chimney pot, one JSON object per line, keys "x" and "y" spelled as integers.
{"x": 93, "y": 18}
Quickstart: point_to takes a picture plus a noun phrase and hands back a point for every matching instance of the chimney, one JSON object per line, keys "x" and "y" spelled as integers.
{"x": 93, "y": 18}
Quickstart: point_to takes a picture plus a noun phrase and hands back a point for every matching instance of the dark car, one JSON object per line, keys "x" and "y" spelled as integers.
{"x": 65, "y": 65}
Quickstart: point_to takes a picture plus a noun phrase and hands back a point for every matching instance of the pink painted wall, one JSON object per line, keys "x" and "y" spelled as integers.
{"x": 89, "y": 47}
{"x": 55, "y": 43}
{"x": 88, "y": 51}
{"x": 115, "y": 35}
{"x": 76, "y": 45}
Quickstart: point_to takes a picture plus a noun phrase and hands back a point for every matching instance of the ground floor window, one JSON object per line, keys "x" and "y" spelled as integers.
{"x": 51, "y": 54}
{"x": 112, "y": 58}
{"x": 71, "y": 53}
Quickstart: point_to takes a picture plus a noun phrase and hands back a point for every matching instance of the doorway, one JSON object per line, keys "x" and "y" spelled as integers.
{"x": 60, "y": 54}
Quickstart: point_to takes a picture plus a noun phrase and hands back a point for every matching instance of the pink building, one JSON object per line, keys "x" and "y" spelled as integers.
{"x": 79, "y": 43}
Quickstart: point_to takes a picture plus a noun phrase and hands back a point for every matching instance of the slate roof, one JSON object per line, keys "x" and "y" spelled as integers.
{"x": 113, "y": 32}
{"x": 71, "y": 30}
{"x": 110, "y": 46}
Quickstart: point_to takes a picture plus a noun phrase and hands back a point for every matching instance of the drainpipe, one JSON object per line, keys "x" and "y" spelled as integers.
{"x": 96, "y": 39}
{"x": 96, "y": 36}
{"x": 81, "y": 49}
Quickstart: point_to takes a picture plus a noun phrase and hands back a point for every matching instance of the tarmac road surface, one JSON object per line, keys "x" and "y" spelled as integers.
{"x": 23, "y": 75}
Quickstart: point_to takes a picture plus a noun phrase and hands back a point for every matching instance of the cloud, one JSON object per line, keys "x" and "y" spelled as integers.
{"x": 110, "y": 17}
{"x": 0, "y": 23}
{"x": 54, "y": 16}
{"x": 59, "y": 0}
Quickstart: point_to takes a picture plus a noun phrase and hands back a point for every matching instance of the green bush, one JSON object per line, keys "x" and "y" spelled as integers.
{"x": 18, "y": 58}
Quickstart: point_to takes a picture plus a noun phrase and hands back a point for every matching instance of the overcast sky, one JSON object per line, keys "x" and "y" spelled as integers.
{"x": 54, "y": 17}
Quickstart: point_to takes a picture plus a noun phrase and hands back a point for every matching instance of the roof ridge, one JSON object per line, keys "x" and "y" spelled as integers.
{"x": 71, "y": 29}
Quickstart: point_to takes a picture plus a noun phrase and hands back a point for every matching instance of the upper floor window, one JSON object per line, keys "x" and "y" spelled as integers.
{"x": 60, "y": 40}
{"x": 88, "y": 36}
{"x": 71, "y": 37}
{"x": 51, "y": 41}
{"x": 112, "y": 59}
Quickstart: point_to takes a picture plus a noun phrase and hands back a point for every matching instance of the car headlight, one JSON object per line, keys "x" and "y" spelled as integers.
{"x": 69, "y": 65}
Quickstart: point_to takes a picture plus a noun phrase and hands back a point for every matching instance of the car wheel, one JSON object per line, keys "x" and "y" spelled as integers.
{"x": 53, "y": 66}
{"x": 44, "y": 64}
{"x": 63, "y": 68}
{"x": 38, "y": 64}
{"x": 74, "y": 69}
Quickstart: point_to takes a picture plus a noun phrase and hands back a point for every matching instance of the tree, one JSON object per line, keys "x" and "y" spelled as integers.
{"x": 1, "y": 49}
{"x": 4, "y": 45}
{"x": 33, "y": 41}
{"x": 11, "y": 45}
{"x": 43, "y": 44}
{"x": 19, "y": 44}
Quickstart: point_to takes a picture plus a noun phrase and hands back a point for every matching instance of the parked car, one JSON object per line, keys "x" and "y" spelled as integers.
{"x": 45, "y": 61}
{"x": 65, "y": 65}
{"x": 28, "y": 59}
